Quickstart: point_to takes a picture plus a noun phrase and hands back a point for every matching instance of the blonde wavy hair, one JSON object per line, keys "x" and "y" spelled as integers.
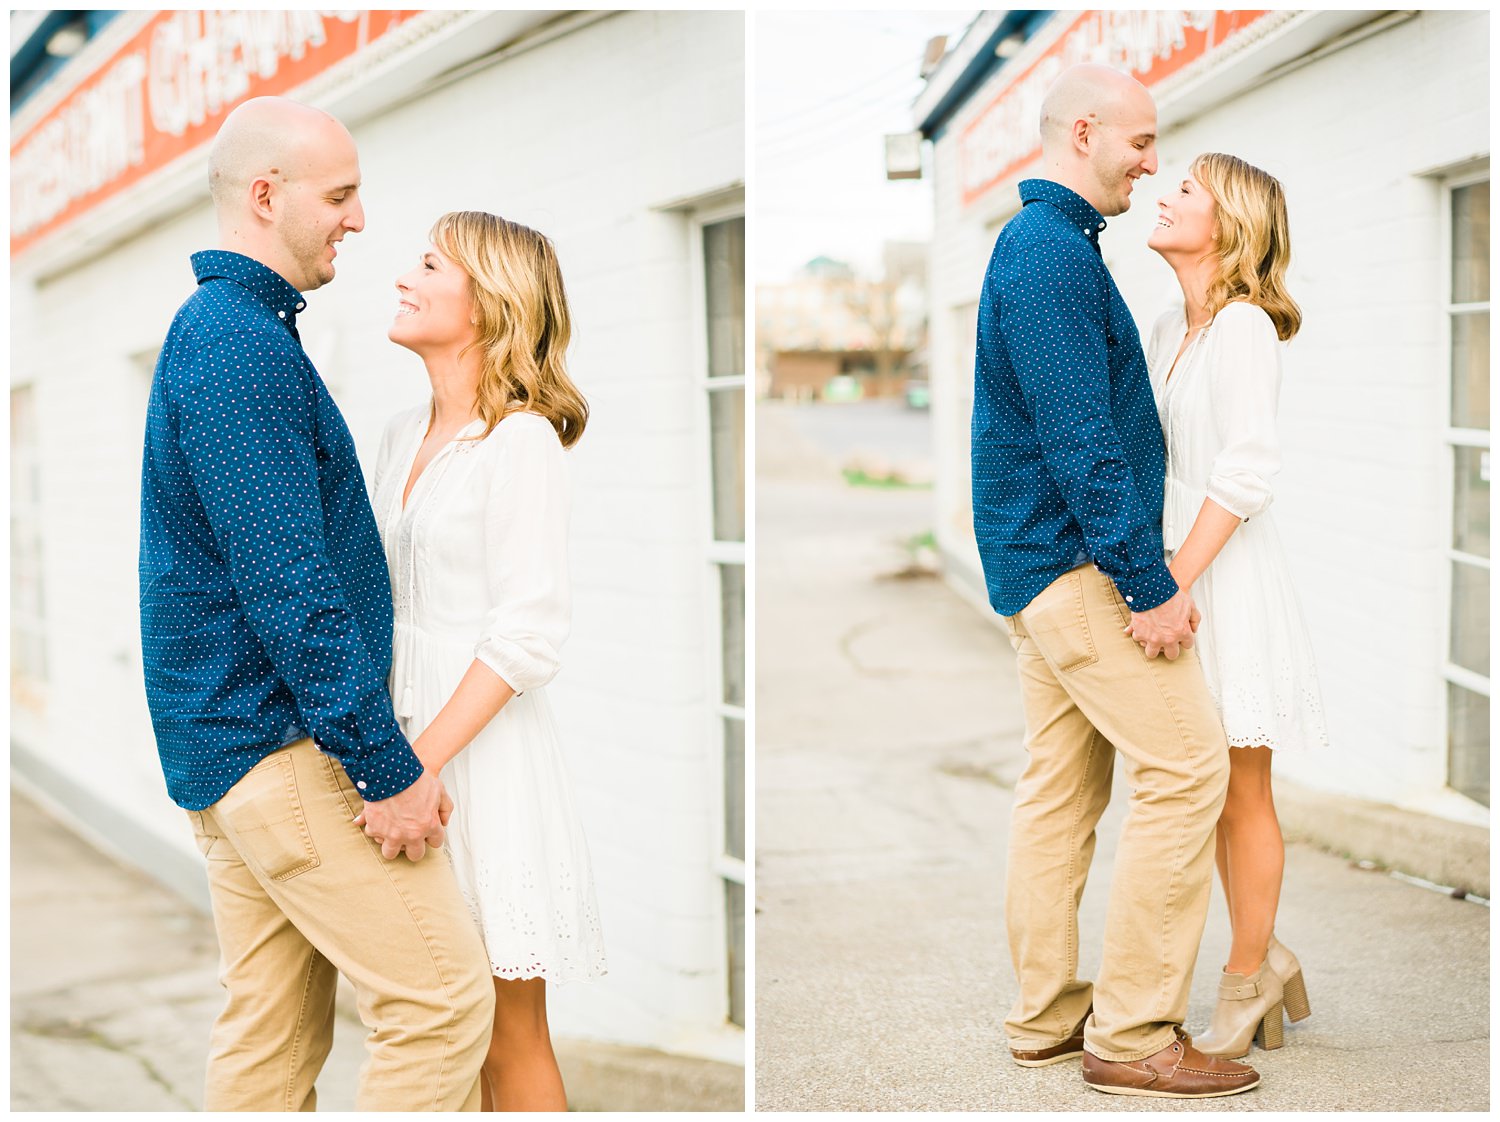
{"x": 1252, "y": 239}
{"x": 521, "y": 313}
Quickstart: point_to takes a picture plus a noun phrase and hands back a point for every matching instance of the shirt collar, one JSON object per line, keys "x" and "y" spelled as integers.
{"x": 266, "y": 285}
{"x": 1075, "y": 208}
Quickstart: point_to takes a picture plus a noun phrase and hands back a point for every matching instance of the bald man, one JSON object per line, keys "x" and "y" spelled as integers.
{"x": 266, "y": 638}
{"x": 1068, "y": 474}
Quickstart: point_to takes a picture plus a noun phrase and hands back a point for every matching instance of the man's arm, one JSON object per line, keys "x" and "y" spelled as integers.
{"x": 247, "y": 417}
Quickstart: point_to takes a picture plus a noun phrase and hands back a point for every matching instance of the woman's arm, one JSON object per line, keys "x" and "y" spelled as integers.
{"x": 479, "y": 697}
{"x": 1213, "y": 527}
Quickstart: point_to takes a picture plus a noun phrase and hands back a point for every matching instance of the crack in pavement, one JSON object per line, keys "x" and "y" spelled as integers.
{"x": 846, "y": 644}
{"x": 78, "y": 1031}
{"x": 985, "y": 773}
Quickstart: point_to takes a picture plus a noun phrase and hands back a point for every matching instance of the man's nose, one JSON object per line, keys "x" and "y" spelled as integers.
{"x": 355, "y": 219}
{"x": 1148, "y": 165}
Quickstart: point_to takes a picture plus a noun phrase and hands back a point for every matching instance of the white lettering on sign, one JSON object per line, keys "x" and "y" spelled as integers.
{"x": 196, "y": 64}
{"x": 1007, "y": 133}
{"x": 98, "y": 137}
{"x": 203, "y": 61}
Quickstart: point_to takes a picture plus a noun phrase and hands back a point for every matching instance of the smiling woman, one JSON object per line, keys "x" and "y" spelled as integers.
{"x": 471, "y": 496}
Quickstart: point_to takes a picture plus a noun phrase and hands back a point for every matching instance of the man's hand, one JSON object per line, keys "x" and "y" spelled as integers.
{"x": 1166, "y": 629}
{"x": 409, "y": 821}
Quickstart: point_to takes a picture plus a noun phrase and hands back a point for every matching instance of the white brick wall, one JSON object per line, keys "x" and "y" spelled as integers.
{"x": 1359, "y": 500}
{"x": 581, "y": 137}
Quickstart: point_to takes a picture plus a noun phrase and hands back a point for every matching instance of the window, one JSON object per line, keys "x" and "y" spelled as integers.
{"x": 1467, "y": 670}
{"x": 723, "y": 249}
{"x": 28, "y": 645}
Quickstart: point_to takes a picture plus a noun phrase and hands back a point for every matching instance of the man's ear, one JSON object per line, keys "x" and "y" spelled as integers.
{"x": 262, "y": 198}
{"x": 1083, "y": 134}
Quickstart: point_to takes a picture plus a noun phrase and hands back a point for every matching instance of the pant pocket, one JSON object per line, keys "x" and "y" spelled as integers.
{"x": 1058, "y": 623}
{"x": 263, "y": 816}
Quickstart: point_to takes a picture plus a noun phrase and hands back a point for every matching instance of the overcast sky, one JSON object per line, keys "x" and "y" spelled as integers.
{"x": 828, "y": 87}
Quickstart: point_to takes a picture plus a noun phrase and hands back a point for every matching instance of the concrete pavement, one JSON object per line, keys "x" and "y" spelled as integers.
{"x": 113, "y": 989}
{"x": 888, "y": 739}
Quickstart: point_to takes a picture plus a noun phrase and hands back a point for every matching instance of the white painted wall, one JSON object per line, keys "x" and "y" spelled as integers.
{"x": 580, "y": 137}
{"x": 1361, "y": 497}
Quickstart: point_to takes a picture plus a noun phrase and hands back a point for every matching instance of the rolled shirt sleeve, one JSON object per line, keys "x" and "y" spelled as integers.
{"x": 526, "y": 555}
{"x": 1246, "y": 374}
{"x": 1052, "y": 325}
{"x": 259, "y": 490}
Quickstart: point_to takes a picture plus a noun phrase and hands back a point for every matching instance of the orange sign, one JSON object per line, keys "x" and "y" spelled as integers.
{"x": 163, "y": 94}
{"x": 1152, "y": 45}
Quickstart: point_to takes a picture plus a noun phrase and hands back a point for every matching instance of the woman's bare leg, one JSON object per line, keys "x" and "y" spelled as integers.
{"x": 1221, "y": 860}
{"x": 520, "y": 1071}
{"x": 1251, "y": 858}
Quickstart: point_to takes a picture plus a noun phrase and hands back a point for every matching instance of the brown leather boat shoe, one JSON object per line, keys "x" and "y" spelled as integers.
{"x": 1178, "y": 1071}
{"x": 1069, "y": 1049}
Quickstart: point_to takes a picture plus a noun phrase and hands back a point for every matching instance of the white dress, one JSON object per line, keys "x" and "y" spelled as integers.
{"x": 478, "y": 562}
{"x": 1218, "y": 414}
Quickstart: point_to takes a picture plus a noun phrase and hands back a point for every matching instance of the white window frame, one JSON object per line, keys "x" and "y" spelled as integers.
{"x": 29, "y": 689}
{"x": 1455, "y": 438}
{"x": 716, "y": 554}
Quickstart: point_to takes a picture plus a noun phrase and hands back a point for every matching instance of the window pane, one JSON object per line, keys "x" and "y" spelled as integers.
{"x": 1471, "y": 243}
{"x": 726, "y": 416}
{"x": 734, "y": 787}
{"x": 1471, "y": 370}
{"x": 736, "y": 902}
{"x": 1471, "y": 500}
{"x": 25, "y": 481}
{"x": 732, "y": 599}
{"x": 1469, "y": 743}
{"x": 1470, "y": 646}
{"x": 724, "y": 280}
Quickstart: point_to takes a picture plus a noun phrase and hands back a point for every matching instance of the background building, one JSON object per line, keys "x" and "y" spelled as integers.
{"x": 1377, "y": 123}
{"x": 830, "y": 330}
{"x": 618, "y": 134}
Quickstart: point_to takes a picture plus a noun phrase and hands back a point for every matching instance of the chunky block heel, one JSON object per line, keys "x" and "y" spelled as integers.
{"x": 1289, "y": 970}
{"x": 1270, "y": 1028}
{"x": 1297, "y": 1007}
{"x": 1248, "y": 1007}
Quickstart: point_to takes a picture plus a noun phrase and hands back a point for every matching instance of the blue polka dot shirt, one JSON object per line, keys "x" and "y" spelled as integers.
{"x": 265, "y": 599}
{"x": 1068, "y": 456}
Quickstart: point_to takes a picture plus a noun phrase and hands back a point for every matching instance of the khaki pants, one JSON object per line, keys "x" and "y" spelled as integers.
{"x": 300, "y": 894}
{"x": 1089, "y": 691}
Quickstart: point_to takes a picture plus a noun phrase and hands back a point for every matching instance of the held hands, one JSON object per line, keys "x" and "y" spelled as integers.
{"x": 410, "y": 821}
{"x": 1167, "y": 629}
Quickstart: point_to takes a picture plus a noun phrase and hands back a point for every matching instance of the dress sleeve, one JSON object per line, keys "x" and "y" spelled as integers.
{"x": 1246, "y": 380}
{"x": 526, "y": 555}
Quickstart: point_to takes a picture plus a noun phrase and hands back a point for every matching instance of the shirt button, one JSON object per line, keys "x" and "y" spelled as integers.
{"x": 281, "y": 314}
{"x": 301, "y": 306}
{"x": 1130, "y": 599}
{"x": 361, "y": 784}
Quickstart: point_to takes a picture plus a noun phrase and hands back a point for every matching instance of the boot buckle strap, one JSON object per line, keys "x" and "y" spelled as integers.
{"x": 1240, "y": 993}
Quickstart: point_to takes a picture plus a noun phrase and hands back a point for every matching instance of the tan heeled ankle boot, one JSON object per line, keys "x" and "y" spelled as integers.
{"x": 1248, "y": 1007}
{"x": 1289, "y": 970}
